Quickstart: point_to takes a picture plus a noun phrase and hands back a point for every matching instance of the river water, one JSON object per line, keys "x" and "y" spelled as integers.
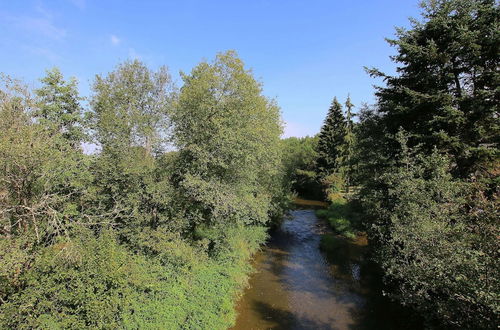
{"x": 297, "y": 286}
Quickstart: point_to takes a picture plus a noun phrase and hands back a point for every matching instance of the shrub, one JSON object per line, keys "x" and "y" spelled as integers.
{"x": 435, "y": 251}
{"x": 94, "y": 282}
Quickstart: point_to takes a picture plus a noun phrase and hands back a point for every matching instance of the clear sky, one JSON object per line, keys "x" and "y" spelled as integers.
{"x": 305, "y": 52}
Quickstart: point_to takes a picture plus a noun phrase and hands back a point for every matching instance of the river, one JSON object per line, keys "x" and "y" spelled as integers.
{"x": 297, "y": 286}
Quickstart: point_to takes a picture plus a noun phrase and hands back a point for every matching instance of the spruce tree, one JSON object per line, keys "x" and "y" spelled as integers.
{"x": 427, "y": 181}
{"x": 348, "y": 144}
{"x": 446, "y": 91}
{"x": 331, "y": 140}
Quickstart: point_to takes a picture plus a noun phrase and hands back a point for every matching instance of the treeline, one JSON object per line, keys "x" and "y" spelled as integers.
{"x": 155, "y": 228}
{"x": 321, "y": 167}
{"x": 425, "y": 158}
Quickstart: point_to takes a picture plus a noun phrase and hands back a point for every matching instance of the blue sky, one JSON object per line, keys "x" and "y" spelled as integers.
{"x": 305, "y": 52}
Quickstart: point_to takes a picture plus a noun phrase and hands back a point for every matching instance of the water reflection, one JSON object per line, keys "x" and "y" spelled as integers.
{"x": 297, "y": 286}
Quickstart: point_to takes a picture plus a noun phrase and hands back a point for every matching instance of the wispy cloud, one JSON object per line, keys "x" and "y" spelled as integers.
{"x": 81, "y": 4}
{"x": 40, "y": 25}
{"x": 115, "y": 41}
{"x": 35, "y": 32}
{"x": 45, "y": 52}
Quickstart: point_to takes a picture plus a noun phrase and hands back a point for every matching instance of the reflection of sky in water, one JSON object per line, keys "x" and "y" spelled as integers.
{"x": 299, "y": 287}
{"x": 356, "y": 272}
{"x": 313, "y": 292}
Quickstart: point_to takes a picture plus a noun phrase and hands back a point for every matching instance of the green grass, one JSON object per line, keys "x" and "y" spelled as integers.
{"x": 331, "y": 243}
{"x": 341, "y": 217}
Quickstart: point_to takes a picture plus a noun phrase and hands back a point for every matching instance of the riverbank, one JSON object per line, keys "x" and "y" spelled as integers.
{"x": 301, "y": 202}
{"x": 343, "y": 218}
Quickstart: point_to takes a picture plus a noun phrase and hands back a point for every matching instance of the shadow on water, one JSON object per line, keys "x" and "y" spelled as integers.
{"x": 297, "y": 286}
{"x": 287, "y": 319}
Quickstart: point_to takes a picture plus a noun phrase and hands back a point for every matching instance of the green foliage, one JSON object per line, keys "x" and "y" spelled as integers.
{"x": 228, "y": 134}
{"x": 73, "y": 284}
{"x": 59, "y": 108}
{"x": 331, "y": 140}
{"x": 299, "y": 158}
{"x": 42, "y": 177}
{"x": 446, "y": 90}
{"x": 334, "y": 163}
{"x": 130, "y": 107}
{"x": 426, "y": 161}
{"x": 130, "y": 118}
{"x": 426, "y": 244}
{"x": 332, "y": 186}
{"x": 299, "y": 153}
{"x": 196, "y": 289}
{"x": 92, "y": 282}
{"x": 342, "y": 217}
{"x": 135, "y": 236}
{"x": 347, "y": 167}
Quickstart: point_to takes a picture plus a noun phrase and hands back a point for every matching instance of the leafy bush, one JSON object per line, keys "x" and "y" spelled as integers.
{"x": 333, "y": 185}
{"x": 435, "y": 249}
{"x": 94, "y": 282}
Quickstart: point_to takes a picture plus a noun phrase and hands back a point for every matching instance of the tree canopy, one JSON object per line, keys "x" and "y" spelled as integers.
{"x": 153, "y": 230}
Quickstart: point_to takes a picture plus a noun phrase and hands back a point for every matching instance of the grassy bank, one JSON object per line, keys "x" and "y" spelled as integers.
{"x": 344, "y": 221}
{"x": 342, "y": 217}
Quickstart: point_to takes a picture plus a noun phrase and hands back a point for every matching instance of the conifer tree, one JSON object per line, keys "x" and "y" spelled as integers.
{"x": 427, "y": 163}
{"x": 348, "y": 144}
{"x": 331, "y": 140}
{"x": 446, "y": 91}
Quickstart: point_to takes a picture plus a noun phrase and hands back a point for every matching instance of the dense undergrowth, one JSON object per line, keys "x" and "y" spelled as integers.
{"x": 95, "y": 282}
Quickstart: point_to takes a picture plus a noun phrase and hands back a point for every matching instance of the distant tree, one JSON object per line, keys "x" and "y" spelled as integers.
{"x": 331, "y": 140}
{"x": 371, "y": 147}
{"x": 59, "y": 107}
{"x": 348, "y": 147}
{"x": 299, "y": 159}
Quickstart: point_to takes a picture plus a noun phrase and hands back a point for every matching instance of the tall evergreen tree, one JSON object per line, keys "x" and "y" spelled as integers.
{"x": 331, "y": 140}
{"x": 422, "y": 201}
{"x": 446, "y": 91}
{"x": 348, "y": 144}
